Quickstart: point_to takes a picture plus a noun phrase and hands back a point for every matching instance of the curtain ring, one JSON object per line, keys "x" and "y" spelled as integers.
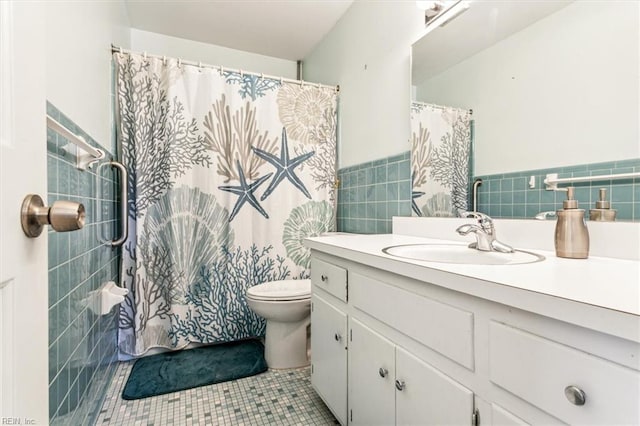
{"x": 241, "y": 73}
{"x": 261, "y": 76}
{"x": 179, "y": 62}
{"x": 121, "y": 50}
{"x": 301, "y": 83}
{"x": 199, "y": 64}
{"x": 221, "y": 70}
{"x": 281, "y": 81}
{"x": 144, "y": 55}
{"x": 164, "y": 60}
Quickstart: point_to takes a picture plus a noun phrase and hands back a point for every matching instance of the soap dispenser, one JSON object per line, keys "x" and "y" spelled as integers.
{"x": 603, "y": 211}
{"x": 572, "y": 236}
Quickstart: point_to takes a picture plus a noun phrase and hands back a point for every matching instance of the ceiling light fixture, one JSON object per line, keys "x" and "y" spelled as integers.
{"x": 439, "y": 13}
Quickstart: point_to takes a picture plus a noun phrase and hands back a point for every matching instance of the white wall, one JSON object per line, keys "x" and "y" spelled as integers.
{"x": 78, "y": 54}
{"x": 564, "y": 91}
{"x": 368, "y": 54}
{"x": 161, "y": 44}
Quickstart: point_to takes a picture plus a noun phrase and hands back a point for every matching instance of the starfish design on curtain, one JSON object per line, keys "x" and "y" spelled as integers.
{"x": 245, "y": 193}
{"x": 284, "y": 167}
{"x": 414, "y": 196}
{"x": 414, "y": 206}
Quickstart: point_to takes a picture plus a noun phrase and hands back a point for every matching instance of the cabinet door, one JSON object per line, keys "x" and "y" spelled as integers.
{"x": 502, "y": 417}
{"x": 427, "y": 396}
{"x": 329, "y": 355}
{"x": 371, "y": 377}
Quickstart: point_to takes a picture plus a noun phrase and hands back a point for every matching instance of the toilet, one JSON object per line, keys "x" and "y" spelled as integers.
{"x": 286, "y": 305}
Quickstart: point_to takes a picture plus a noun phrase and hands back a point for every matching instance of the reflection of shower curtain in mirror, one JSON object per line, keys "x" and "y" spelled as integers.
{"x": 440, "y": 152}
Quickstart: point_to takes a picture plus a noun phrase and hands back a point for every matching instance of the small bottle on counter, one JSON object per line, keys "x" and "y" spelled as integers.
{"x": 603, "y": 211}
{"x": 572, "y": 235}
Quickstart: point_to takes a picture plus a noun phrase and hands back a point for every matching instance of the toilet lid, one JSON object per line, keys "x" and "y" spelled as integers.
{"x": 281, "y": 290}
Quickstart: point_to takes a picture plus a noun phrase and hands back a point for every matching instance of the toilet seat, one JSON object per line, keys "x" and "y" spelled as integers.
{"x": 283, "y": 290}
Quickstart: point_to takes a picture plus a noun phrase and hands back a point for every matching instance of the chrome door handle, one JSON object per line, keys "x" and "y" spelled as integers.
{"x": 324, "y": 278}
{"x": 63, "y": 215}
{"x": 400, "y": 385}
{"x": 575, "y": 395}
{"x": 383, "y": 372}
{"x": 337, "y": 336}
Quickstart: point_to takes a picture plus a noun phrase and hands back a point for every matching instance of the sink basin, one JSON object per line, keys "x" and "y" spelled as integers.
{"x": 461, "y": 254}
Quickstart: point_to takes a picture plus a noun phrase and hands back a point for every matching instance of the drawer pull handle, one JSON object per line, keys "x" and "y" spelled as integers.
{"x": 383, "y": 372}
{"x": 338, "y": 337}
{"x": 575, "y": 395}
{"x": 324, "y": 278}
{"x": 400, "y": 385}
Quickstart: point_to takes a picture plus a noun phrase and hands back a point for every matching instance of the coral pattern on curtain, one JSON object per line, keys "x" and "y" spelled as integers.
{"x": 440, "y": 159}
{"x": 228, "y": 173}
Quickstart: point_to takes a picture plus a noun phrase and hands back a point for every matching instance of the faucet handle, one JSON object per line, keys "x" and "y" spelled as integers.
{"x": 482, "y": 218}
{"x": 545, "y": 215}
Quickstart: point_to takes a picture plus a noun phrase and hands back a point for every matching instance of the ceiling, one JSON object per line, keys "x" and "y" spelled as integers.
{"x": 287, "y": 29}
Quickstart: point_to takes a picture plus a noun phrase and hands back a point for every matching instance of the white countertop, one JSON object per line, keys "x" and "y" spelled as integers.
{"x": 612, "y": 284}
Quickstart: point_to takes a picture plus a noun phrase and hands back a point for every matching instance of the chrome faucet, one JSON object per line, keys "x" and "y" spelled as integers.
{"x": 485, "y": 233}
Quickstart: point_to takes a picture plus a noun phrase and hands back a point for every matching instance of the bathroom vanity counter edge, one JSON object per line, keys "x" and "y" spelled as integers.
{"x": 599, "y": 293}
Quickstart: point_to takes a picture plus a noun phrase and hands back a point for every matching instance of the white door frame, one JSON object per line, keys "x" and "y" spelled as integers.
{"x": 23, "y": 170}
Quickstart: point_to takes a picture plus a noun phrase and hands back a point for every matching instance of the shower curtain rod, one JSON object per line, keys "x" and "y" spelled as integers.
{"x": 220, "y": 68}
{"x": 436, "y": 106}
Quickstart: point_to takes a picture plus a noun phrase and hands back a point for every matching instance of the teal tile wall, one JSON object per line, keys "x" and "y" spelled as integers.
{"x": 370, "y": 194}
{"x": 509, "y": 196}
{"x": 82, "y": 345}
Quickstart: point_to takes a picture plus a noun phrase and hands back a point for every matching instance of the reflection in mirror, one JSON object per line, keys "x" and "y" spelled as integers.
{"x": 554, "y": 88}
{"x": 440, "y": 153}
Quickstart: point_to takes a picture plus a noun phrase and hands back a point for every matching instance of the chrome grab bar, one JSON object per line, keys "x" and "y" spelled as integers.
{"x": 124, "y": 203}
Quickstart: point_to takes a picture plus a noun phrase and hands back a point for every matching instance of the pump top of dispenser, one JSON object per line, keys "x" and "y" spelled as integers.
{"x": 603, "y": 211}
{"x": 602, "y": 203}
{"x": 570, "y": 202}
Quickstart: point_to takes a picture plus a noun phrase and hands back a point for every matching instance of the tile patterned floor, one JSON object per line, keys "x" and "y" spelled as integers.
{"x": 271, "y": 398}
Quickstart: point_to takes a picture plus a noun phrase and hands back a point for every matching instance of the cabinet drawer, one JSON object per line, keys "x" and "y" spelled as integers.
{"x": 329, "y": 277}
{"x": 443, "y": 328}
{"x": 538, "y": 370}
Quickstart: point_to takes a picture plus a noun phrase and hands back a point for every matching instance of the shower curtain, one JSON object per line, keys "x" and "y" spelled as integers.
{"x": 228, "y": 173}
{"x": 440, "y": 159}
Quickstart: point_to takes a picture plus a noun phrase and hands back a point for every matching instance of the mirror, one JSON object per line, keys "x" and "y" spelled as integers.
{"x": 551, "y": 83}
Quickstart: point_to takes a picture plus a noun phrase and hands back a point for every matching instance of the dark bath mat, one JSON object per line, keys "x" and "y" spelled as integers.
{"x": 179, "y": 370}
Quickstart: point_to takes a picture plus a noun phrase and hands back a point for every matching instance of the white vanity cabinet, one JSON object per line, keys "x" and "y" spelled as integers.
{"x": 329, "y": 362}
{"x": 372, "y": 375}
{"x": 390, "y": 349}
{"x": 388, "y": 385}
{"x": 329, "y": 336}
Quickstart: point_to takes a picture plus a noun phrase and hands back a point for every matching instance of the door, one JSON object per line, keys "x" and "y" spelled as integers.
{"x": 426, "y": 396}
{"x": 371, "y": 377}
{"x": 329, "y": 355}
{"x": 23, "y": 170}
